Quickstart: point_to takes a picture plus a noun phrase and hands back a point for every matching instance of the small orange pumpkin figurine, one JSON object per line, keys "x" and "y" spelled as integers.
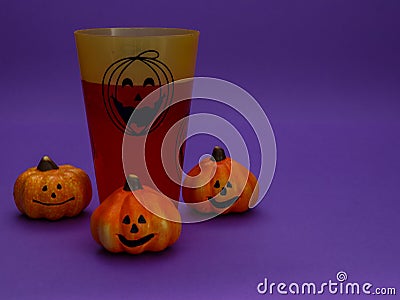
{"x": 232, "y": 187}
{"x": 52, "y": 192}
{"x": 122, "y": 224}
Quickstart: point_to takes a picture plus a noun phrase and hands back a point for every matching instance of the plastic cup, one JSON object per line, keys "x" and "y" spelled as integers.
{"x": 119, "y": 68}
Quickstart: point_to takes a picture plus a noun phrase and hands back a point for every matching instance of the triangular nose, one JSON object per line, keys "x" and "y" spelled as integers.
{"x": 134, "y": 228}
{"x": 138, "y": 97}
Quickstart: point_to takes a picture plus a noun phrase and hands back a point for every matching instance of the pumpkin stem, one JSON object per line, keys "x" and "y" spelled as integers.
{"x": 46, "y": 164}
{"x": 132, "y": 183}
{"x": 218, "y": 154}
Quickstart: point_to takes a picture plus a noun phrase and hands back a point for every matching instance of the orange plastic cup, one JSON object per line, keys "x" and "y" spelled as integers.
{"x": 119, "y": 68}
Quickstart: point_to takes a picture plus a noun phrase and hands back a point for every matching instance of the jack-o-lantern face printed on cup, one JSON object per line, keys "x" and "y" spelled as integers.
{"x": 126, "y": 82}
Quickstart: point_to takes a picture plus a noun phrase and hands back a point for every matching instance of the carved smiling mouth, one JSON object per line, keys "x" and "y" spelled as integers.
{"x": 53, "y": 204}
{"x": 144, "y": 115}
{"x": 223, "y": 204}
{"x": 124, "y": 111}
{"x": 135, "y": 243}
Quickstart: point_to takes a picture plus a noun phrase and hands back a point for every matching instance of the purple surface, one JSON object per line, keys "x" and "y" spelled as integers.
{"x": 326, "y": 72}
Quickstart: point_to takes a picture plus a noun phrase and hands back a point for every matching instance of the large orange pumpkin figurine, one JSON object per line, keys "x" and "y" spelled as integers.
{"x": 122, "y": 224}
{"x": 52, "y": 192}
{"x": 220, "y": 184}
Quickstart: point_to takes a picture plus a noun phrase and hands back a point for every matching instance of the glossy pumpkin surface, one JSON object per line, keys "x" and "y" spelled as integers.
{"x": 122, "y": 224}
{"x": 232, "y": 187}
{"x": 52, "y": 192}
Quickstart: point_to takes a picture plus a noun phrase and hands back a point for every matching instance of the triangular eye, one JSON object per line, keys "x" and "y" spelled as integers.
{"x": 141, "y": 219}
{"x": 126, "y": 220}
{"x": 229, "y": 185}
{"x": 217, "y": 185}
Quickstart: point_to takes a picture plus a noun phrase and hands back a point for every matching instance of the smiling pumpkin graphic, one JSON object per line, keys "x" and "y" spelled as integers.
{"x": 127, "y": 81}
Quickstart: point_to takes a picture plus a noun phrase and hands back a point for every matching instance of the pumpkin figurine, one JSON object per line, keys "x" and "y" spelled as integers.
{"x": 52, "y": 192}
{"x": 219, "y": 184}
{"x": 123, "y": 224}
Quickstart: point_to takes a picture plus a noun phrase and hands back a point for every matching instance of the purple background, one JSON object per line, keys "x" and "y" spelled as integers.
{"x": 327, "y": 74}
